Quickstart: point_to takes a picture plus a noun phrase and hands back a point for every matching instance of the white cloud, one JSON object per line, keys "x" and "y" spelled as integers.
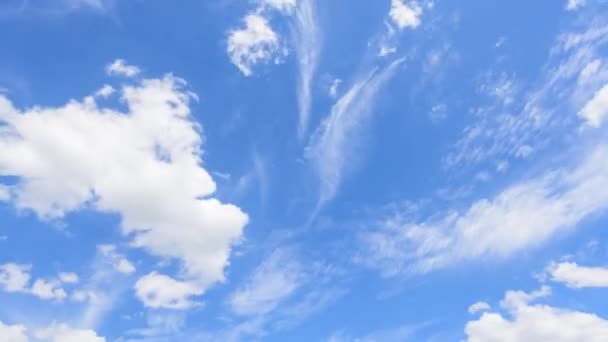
{"x": 285, "y": 6}
{"x": 149, "y": 172}
{"x": 333, "y": 89}
{"x": 253, "y": 44}
{"x": 119, "y": 261}
{"x": 160, "y": 291}
{"x": 528, "y": 322}
{"x": 12, "y": 333}
{"x": 336, "y": 137}
{"x": 479, "y": 307}
{"x": 576, "y": 276}
{"x": 5, "y": 194}
{"x": 272, "y": 282}
{"x": 517, "y": 118}
{"x": 105, "y": 91}
{"x": 573, "y": 5}
{"x": 596, "y": 110}
{"x": 307, "y": 40}
{"x": 121, "y": 68}
{"x": 14, "y": 277}
{"x": 64, "y": 333}
{"x": 405, "y": 14}
{"x": 68, "y": 277}
{"x": 521, "y": 216}
{"x": 48, "y": 290}
{"x": 123, "y": 265}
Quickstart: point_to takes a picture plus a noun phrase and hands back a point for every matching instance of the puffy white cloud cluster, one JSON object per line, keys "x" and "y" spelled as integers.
{"x": 143, "y": 162}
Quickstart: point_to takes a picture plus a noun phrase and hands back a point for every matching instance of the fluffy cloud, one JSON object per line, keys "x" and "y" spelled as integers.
{"x": 272, "y": 282}
{"x": 15, "y": 278}
{"x": 596, "y": 110}
{"x": 12, "y": 333}
{"x": 337, "y": 136}
{"x": 523, "y": 215}
{"x": 119, "y": 261}
{"x": 479, "y": 307}
{"x": 48, "y": 289}
{"x": 576, "y": 276}
{"x": 64, "y": 333}
{"x": 405, "y": 14}
{"x": 68, "y": 277}
{"x": 160, "y": 291}
{"x": 121, "y": 68}
{"x": 143, "y": 163}
{"x": 255, "y": 43}
{"x": 575, "y": 4}
{"x": 528, "y": 322}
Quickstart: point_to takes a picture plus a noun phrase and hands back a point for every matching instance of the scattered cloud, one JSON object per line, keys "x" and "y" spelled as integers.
{"x": 254, "y": 43}
{"x": 160, "y": 291}
{"x": 596, "y": 110}
{"x": 521, "y": 216}
{"x": 273, "y": 281}
{"x": 573, "y": 5}
{"x": 150, "y": 172}
{"x": 575, "y": 276}
{"x": 68, "y": 277}
{"x": 338, "y": 134}
{"x": 528, "y": 322}
{"x": 15, "y": 278}
{"x": 12, "y": 333}
{"x": 119, "y": 68}
{"x": 307, "y": 40}
{"x": 65, "y": 333}
{"x": 479, "y": 307}
{"x": 405, "y": 14}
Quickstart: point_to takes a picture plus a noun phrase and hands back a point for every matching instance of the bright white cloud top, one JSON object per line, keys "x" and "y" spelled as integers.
{"x": 144, "y": 164}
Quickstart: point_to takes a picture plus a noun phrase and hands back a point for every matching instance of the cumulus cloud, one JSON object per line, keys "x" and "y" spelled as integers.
{"x": 12, "y": 333}
{"x": 143, "y": 163}
{"x": 160, "y": 291}
{"x": 65, "y": 333}
{"x": 576, "y": 276}
{"x": 596, "y": 110}
{"x": 523, "y": 215}
{"x": 573, "y": 5}
{"x": 479, "y": 307}
{"x": 119, "y": 261}
{"x": 272, "y": 282}
{"x": 335, "y": 138}
{"x": 48, "y": 289}
{"x": 405, "y": 14}
{"x": 120, "y": 68}
{"x": 15, "y": 278}
{"x": 68, "y": 277}
{"x": 254, "y": 43}
{"x": 527, "y": 322}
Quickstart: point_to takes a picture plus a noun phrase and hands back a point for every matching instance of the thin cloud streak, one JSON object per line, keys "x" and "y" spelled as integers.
{"x": 338, "y": 134}
{"x": 307, "y": 39}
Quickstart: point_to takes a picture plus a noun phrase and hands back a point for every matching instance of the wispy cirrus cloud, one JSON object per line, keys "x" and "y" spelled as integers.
{"x": 522, "y": 215}
{"x": 307, "y": 39}
{"x": 338, "y": 135}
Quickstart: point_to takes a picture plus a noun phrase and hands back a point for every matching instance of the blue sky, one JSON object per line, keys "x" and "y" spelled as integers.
{"x": 303, "y": 170}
